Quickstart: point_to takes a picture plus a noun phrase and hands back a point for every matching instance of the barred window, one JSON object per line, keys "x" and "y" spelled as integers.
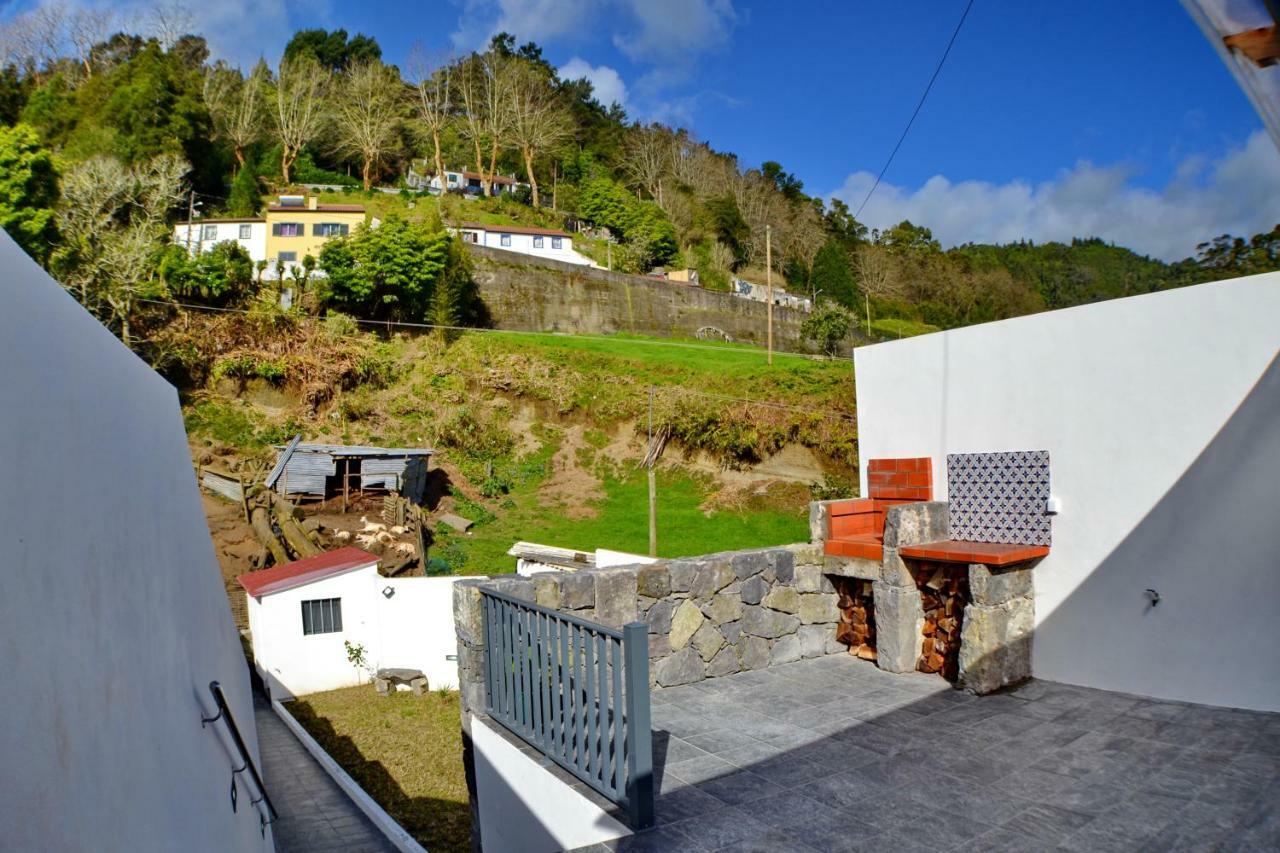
{"x": 322, "y": 616}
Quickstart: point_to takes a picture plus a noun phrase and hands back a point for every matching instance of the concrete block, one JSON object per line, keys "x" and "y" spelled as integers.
{"x": 996, "y": 585}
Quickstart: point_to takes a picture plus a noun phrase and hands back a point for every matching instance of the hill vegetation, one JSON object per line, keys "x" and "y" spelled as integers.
{"x": 110, "y": 134}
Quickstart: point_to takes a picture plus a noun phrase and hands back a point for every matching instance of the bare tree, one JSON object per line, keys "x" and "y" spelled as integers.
{"x": 646, "y": 158}
{"x": 299, "y": 106}
{"x": 367, "y": 106}
{"x": 123, "y": 210}
{"x": 435, "y": 103}
{"x": 877, "y": 276}
{"x": 496, "y": 82}
{"x": 170, "y": 21}
{"x": 236, "y": 105}
{"x": 87, "y": 28}
{"x": 803, "y": 236}
{"x": 539, "y": 119}
{"x": 470, "y": 89}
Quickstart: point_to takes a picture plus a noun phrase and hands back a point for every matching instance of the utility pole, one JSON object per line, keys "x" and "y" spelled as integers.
{"x": 191, "y": 216}
{"x": 608, "y": 247}
{"x": 768, "y": 279}
{"x": 653, "y": 486}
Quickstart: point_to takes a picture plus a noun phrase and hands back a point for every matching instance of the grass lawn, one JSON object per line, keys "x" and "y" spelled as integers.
{"x": 404, "y": 750}
{"x": 622, "y": 524}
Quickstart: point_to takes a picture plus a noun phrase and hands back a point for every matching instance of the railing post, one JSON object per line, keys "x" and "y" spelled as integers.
{"x": 635, "y": 653}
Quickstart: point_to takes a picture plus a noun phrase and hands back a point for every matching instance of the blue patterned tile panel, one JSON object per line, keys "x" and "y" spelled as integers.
{"x": 999, "y": 497}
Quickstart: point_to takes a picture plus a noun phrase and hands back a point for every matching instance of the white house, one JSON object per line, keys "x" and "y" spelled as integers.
{"x": 302, "y": 614}
{"x": 201, "y": 236}
{"x": 539, "y": 242}
{"x": 760, "y": 293}
{"x": 468, "y": 183}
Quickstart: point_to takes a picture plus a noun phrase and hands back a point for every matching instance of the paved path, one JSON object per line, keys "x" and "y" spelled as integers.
{"x": 833, "y": 754}
{"x": 314, "y": 814}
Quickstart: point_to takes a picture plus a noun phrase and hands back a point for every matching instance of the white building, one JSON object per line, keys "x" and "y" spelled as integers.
{"x": 539, "y": 242}
{"x": 760, "y": 293}
{"x": 468, "y": 183}
{"x": 302, "y": 614}
{"x": 250, "y": 233}
{"x": 115, "y": 624}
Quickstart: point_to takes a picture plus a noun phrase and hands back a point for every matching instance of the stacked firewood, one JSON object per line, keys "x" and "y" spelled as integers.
{"x": 944, "y": 592}
{"x": 857, "y": 628}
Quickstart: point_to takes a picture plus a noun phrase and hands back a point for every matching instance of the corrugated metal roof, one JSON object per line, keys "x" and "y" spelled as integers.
{"x": 299, "y": 572}
{"x": 282, "y": 460}
{"x": 362, "y": 450}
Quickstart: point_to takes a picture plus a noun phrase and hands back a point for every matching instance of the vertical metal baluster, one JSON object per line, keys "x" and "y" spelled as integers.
{"x": 535, "y": 665}
{"x": 588, "y": 662}
{"x": 639, "y": 737}
{"x": 486, "y": 604}
{"x": 553, "y": 682}
{"x": 508, "y": 658}
{"x": 522, "y": 666}
{"x": 616, "y": 741}
{"x": 571, "y": 685}
{"x": 602, "y": 707}
{"x": 566, "y": 709}
{"x": 531, "y": 657}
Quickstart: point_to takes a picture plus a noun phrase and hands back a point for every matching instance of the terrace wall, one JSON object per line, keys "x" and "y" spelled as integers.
{"x": 708, "y": 616}
{"x": 1160, "y": 416}
{"x": 539, "y": 294}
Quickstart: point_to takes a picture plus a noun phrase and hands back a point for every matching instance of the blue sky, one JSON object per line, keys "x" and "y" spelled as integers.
{"x": 1114, "y": 119}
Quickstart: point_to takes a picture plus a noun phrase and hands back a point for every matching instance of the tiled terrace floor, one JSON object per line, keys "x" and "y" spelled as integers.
{"x": 833, "y": 754}
{"x": 314, "y": 814}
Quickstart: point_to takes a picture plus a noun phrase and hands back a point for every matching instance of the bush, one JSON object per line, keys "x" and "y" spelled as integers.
{"x": 828, "y": 327}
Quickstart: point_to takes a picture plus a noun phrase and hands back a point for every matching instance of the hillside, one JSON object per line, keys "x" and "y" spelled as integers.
{"x": 540, "y": 436}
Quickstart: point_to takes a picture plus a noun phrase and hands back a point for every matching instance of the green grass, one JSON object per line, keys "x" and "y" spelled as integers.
{"x": 894, "y": 327}
{"x": 404, "y": 750}
{"x": 622, "y": 523}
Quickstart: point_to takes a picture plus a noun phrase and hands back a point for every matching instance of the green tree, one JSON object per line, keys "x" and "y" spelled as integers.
{"x": 333, "y": 49}
{"x": 219, "y": 276}
{"x": 28, "y": 191}
{"x": 833, "y": 275}
{"x": 827, "y": 327}
{"x": 388, "y": 272}
{"x": 245, "y": 198}
{"x": 606, "y": 202}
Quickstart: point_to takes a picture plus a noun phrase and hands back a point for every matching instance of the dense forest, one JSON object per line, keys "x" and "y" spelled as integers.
{"x": 109, "y": 135}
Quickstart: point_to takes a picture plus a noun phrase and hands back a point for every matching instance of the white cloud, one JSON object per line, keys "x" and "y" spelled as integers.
{"x": 241, "y": 31}
{"x": 605, "y": 81}
{"x": 1239, "y": 194}
{"x": 672, "y": 32}
{"x": 540, "y": 21}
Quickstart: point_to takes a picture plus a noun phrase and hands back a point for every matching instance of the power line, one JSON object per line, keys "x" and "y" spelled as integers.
{"x": 911, "y": 121}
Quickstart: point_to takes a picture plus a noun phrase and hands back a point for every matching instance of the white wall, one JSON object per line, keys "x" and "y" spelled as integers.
{"x": 113, "y": 617}
{"x": 524, "y": 808}
{"x": 413, "y": 628}
{"x": 255, "y": 245}
{"x": 1129, "y": 398}
{"x": 523, "y": 243}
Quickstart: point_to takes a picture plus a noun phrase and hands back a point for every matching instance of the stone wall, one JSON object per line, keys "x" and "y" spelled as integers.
{"x": 543, "y": 295}
{"x": 708, "y": 616}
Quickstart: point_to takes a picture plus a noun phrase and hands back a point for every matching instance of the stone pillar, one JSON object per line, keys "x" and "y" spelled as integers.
{"x": 995, "y": 640}
{"x": 468, "y": 620}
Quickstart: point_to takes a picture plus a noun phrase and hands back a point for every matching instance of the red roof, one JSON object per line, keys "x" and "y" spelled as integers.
{"x": 319, "y": 208}
{"x": 299, "y": 572}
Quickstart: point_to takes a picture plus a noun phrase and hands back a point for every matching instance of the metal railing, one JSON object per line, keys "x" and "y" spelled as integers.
{"x": 224, "y": 714}
{"x": 576, "y": 691}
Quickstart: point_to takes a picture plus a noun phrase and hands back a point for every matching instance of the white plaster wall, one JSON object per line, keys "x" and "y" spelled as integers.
{"x": 256, "y": 245}
{"x": 417, "y": 628}
{"x": 1125, "y": 395}
{"x": 293, "y": 663}
{"x": 113, "y": 617}
{"x": 413, "y": 628}
{"x": 524, "y": 808}
{"x": 523, "y": 243}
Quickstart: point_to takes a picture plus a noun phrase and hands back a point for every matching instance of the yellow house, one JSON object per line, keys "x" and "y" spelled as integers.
{"x": 299, "y": 226}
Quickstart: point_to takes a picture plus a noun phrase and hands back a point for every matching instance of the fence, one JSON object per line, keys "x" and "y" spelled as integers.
{"x": 576, "y": 691}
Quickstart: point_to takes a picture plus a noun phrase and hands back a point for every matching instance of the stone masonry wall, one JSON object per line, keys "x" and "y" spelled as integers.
{"x": 708, "y": 616}
{"x": 544, "y": 295}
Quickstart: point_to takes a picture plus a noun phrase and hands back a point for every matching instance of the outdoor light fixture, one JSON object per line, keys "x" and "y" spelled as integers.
{"x": 388, "y": 591}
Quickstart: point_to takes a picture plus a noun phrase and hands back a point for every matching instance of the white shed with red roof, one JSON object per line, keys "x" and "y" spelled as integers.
{"x": 303, "y": 614}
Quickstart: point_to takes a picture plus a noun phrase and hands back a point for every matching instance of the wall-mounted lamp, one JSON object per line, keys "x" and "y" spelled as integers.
{"x": 388, "y": 591}
{"x": 1053, "y": 505}
{"x": 1153, "y": 597}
